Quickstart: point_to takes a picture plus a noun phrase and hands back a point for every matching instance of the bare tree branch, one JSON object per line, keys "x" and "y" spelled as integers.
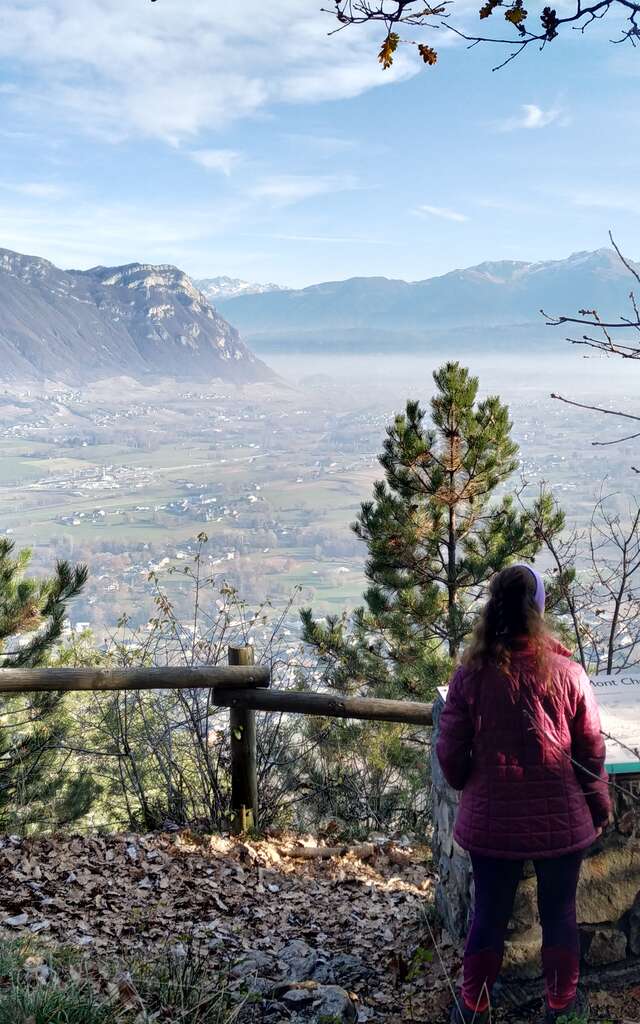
{"x": 631, "y": 269}
{"x": 608, "y": 344}
{"x": 596, "y": 408}
{"x": 591, "y": 318}
{"x": 540, "y": 28}
{"x": 616, "y": 440}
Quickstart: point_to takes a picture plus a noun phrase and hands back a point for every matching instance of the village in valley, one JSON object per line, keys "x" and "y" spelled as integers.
{"x": 126, "y": 477}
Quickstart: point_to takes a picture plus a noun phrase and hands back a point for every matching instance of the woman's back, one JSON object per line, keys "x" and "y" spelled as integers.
{"x": 527, "y": 750}
{"x": 520, "y": 736}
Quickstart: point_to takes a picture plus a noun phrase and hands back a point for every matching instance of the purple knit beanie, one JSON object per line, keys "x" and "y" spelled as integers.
{"x": 539, "y": 596}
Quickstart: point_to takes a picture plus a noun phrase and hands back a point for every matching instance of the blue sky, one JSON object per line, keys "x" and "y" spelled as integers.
{"x": 247, "y": 142}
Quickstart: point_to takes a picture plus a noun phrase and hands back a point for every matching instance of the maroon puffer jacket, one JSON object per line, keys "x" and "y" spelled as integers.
{"x": 529, "y": 760}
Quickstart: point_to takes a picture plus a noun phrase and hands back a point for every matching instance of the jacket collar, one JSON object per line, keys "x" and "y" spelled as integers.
{"x": 553, "y": 645}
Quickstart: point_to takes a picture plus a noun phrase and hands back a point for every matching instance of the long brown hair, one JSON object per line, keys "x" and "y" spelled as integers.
{"x": 509, "y": 620}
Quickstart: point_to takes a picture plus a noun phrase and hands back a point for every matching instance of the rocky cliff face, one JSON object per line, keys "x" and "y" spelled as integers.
{"x": 138, "y": 320}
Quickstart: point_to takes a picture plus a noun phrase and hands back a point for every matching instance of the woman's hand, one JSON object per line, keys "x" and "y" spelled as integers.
{"x": 602, "y": 828}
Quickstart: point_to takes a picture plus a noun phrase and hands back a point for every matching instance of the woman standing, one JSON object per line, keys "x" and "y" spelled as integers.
{"x": 520, "y": 736}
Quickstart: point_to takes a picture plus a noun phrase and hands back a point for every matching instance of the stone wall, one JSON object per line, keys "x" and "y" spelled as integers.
{"x": 608, "y": 893}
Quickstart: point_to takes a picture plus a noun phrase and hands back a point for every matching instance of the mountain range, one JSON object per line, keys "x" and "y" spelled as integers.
{"x": 138, "y": 320}
{"x": 216, "y": 289}
{"x": 143, "y": 320}
{"x": 495, "y": 304}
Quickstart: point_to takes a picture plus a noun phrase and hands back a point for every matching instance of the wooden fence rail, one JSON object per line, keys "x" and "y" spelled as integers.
{"x": 43, "y": 680}
{"x": 242, "y": 687}
{"x": 406, "y": 712}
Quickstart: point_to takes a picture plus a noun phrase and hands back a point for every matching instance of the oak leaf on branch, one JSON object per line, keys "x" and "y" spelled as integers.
{"x": 487, "y": 9}
{"x": 428, "y": 54}
{"x": 387, "y": 50}
{"x": 516, "y": 14}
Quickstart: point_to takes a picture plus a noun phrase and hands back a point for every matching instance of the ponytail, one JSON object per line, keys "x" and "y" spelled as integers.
{"x": 511, "y": 618}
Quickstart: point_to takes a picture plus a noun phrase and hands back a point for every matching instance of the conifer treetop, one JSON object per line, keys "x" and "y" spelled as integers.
{"x": 437, "y": 527}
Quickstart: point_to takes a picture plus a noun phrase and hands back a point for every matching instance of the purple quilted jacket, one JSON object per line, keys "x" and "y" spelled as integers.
{"x": 528, "y": 759}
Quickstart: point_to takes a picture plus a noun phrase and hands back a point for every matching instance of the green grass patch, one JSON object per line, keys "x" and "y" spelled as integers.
{"x": 52, "y": 1005}
{"x": 41, "y": 986}
{"x": 15, "y": 470}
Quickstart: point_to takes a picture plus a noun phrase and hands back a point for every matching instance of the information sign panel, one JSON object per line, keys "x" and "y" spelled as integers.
{"x": 619, "y": 703}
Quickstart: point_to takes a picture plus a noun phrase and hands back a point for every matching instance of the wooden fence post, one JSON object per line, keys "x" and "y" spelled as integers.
{"x": 244, "y": 773}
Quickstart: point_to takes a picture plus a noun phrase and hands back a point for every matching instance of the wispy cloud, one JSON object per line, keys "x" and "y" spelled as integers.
{"x": 222, "y": 160}
{"x": 443, "y": 212}
{"x": 332, "y": 239}
{"x": 286, "y": 189}
{"x": 174, "y": 70}
{"x": 186, "y": 234}
{"x": 36, "y": 189}
{"x": 506, "y": 205}
{"x": 532, "y": 116}
{"x": 323, "y": 145}
{"x": 621, "y": 200}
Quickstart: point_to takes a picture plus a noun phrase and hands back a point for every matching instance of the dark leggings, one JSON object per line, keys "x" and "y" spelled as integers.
{"x": 496, "y": 881}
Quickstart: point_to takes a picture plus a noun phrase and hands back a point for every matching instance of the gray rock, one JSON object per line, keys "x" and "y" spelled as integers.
{"x": 525, "y": 909}
{"x": 300, "y": 960}
{"x": 258, "y": 986}
{"x": 296, "y": 998}
{"x": 453, "y": 891}
{"x": 312, "y": 1003}
{"x": 608, "y": 946}
{"x": 349, "y": 970}
{"x": 609, "y": 882}
{"x": 255, "y": 962}
{"x": 333, "y": 1004}
{"x": 522, "y": 955}
{"x": 77, "y": 325}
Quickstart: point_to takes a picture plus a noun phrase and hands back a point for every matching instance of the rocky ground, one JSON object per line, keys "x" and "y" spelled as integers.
{"x": 313, "y": 938}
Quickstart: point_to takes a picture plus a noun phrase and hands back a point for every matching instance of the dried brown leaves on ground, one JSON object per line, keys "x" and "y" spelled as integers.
{"x": 241, "y": 902}
{"x": 126, "y": 895}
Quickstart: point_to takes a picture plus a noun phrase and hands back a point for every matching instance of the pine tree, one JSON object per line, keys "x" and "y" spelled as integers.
{"x": 35, "y": 780}
{"x": 436, "y": 531}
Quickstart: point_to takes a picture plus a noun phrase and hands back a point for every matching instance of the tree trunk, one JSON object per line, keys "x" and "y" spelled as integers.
{"x": 451, "y": 582}
{"x": 451, "y": 543}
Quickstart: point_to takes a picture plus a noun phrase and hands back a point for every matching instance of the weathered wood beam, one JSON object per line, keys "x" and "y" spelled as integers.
{"x": 42, "y": 680}
{"x": 238, "y": 686}
{"x": 328, "y": 705}
{"x": 364, "y": 851}
{"x": 243, "y": 743}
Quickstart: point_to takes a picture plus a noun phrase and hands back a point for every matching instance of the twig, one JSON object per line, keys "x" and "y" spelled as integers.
{"x": 595, "y": 408}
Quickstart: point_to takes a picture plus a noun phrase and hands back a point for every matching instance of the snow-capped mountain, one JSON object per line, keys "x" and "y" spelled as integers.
{"x": 217, "y": 289}
{"x": 493, "y": 303}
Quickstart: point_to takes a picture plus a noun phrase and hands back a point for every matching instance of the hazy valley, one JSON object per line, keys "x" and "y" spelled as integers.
{"x": 125, "y": 475}
{"x": 133, "y": 416}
